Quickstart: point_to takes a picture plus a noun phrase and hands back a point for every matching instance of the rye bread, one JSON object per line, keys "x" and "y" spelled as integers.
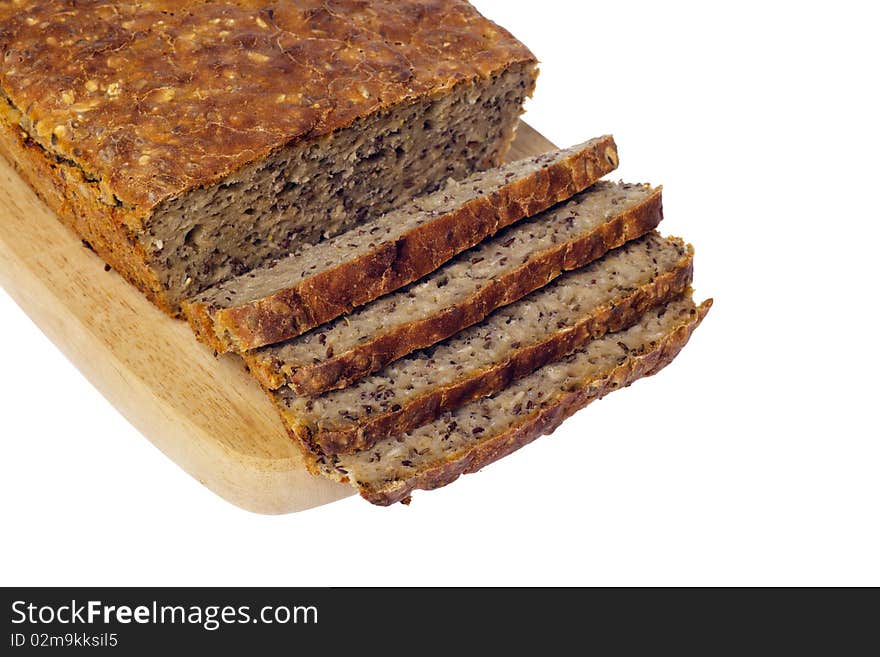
{"x": 190, "y": 141}
{"x": 317, "y": 283}
{"x": 497, "y": 272}
{"x": 475, "y": 435}
{"x": 607, "y": 295}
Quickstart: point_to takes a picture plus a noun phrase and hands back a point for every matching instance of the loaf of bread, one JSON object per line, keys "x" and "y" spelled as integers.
{"x": 188, "y": 142}
{"x": 269, "y": 168}
{"x": 316, "y": 284}
{"x": 608, "y": 295}
{"x": 479, "y": 433}
{"x": 495, "y": 273}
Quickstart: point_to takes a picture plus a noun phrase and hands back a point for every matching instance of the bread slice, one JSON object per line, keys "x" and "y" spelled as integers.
{"x": 316, "y": 284}
{"x": 495, "y": 273}
{"x": 607, "y": 295}
{"x": 475, "y": 435}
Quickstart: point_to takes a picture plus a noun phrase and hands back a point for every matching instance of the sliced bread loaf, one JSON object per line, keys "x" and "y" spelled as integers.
{"x": 488, "y": 429}
{"x": 608, "y": 295}
{"x": 495, "y": 273}
{"x": 316, "y": 284}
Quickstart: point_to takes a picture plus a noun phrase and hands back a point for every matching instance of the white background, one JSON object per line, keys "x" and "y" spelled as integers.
{"x": 753, "y": 459}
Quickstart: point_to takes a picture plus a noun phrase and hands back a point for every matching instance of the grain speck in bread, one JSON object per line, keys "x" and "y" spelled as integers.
{"x": 475, "y": 435}
{"x": 608, "y": 295}
{"x": 316, "y": 284}
{"x": 190, "y": 141}
{"x": 495, "y": 273}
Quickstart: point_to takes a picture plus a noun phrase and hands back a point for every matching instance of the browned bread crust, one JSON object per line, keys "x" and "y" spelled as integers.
{"x": 110, "y": 109}
{"x": 372, "y": 355}
{"x": 390, "y": 265}
{"x": 345, "y": 438}
{"x": 63, "y": 187}
{"x": 345, "y": 58}
{"x": 544, "y": 420}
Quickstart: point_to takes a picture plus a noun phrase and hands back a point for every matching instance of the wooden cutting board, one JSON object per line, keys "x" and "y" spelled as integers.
{"x": 206, "y": 414}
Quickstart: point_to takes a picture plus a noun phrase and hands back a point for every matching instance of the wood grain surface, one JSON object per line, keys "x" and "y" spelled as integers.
{"x": 206, "y": 414}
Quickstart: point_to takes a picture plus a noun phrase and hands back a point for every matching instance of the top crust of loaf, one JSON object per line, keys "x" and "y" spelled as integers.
{"x": 153, "y": 98}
